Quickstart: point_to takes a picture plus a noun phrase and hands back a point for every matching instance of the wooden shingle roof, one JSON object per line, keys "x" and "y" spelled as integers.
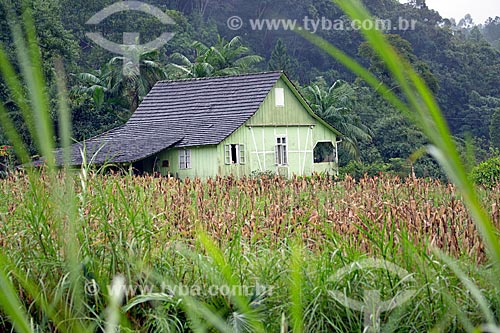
{"x": 193, "y": 112}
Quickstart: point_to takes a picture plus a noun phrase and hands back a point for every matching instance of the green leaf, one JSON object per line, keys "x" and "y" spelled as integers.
{"x": 11, "y": 303}
{"x": 98, "y": 96}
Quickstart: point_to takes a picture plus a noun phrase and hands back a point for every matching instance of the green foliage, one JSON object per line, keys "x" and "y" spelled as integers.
{"x": 336, "y": 105}
{"x": 425, "y": 167}
{"x": 55, "y": 42}
{"x": 487, "y": 173}
{"x": 466, "y": 69}
{"x": 496, "y": 44}
{"x": 280, "y": 60}
{"x": 223, "y": 58}
{"x": 56, "y": 220}
{"x": 491, "y": 29}
{"x": 405, "y": 50}
{"x": 479, "y": 114}
{"x": 133, "y": 82}
{"x": 120, "y": 85}
{"x": 396, "y": 137}
{"x": 358, "y": 170}
{"x": 88, "y": 120}
{"x": 495, "y": 130}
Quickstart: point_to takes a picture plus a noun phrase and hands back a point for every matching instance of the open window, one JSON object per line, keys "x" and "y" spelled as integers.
{"x": 324, "y": 152}
{"x": 234, "y": 154}
{"x": 281, "y": 151}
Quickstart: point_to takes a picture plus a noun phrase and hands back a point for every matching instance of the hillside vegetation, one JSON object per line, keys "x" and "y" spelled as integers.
{"x": 460, "y": 61}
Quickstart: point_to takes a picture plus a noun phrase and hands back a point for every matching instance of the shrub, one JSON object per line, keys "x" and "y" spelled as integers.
{"x": 262, "y": 174}
{"x": 6, "y": 160}
{"x": 487, "y": 173}
{"x": 358, "y": 170}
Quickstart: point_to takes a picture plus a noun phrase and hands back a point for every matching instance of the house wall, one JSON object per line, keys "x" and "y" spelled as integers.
{"x": 204, "y": 162}
{"x": 260, "y": 132}
{"x": 259, "y": 135}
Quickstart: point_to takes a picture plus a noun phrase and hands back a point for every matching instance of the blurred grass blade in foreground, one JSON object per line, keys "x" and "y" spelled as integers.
{"x": 422, "y": 107}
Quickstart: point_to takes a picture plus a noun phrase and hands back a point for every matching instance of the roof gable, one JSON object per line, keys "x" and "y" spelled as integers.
{"x": 292, "y": 113}
{"x": 306, "y": 105}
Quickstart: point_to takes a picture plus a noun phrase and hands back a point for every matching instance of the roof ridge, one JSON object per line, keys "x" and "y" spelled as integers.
{"x": 220, "y": 77}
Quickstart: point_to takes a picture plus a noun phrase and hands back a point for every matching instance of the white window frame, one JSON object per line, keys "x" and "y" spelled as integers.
{"x": 279, "y": 97}
{"x": 281, "y": 151}
{"x": 240, "y": 154}
{"x": 185, "y": 159}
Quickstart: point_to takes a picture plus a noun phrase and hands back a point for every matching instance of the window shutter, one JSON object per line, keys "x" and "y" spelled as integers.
{"x": 188, "y": 159}
{"x": 242, "y": 154}
{"x": 277, "y": 154}
{"x": 227, "y": 154}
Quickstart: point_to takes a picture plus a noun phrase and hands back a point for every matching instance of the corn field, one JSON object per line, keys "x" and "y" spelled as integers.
{"x": 428, "y": 213}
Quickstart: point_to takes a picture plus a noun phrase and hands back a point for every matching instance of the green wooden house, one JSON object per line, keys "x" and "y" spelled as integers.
{"x": 235, "y": 125}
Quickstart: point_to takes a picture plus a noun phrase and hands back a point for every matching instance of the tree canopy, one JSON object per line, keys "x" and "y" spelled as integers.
{"x": 459, "y": 61}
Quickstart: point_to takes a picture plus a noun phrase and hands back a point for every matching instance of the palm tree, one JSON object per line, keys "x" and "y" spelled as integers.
{"x": 231, "y": 57}
{"x": 186, "y": 68}
{"x": 94, "y": 84}
{"x": 98, "y": 85}
{"x": 224, "y": 58}
{"x": 133, "y": 81}
{"x": 336, "y": 106}
{"x": 121, "y": 81}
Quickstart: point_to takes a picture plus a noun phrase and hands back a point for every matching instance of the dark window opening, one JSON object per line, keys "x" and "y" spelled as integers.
{"x": 165, "y": 164}
{"x": 234, "y": 154}
{"x": 324, "y": 152}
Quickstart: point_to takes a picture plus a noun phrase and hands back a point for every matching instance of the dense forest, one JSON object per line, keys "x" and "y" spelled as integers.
{"x": 460, "y": 61}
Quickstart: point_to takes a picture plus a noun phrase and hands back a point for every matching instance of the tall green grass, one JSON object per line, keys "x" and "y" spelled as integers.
{"x": 59, "y": 238}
